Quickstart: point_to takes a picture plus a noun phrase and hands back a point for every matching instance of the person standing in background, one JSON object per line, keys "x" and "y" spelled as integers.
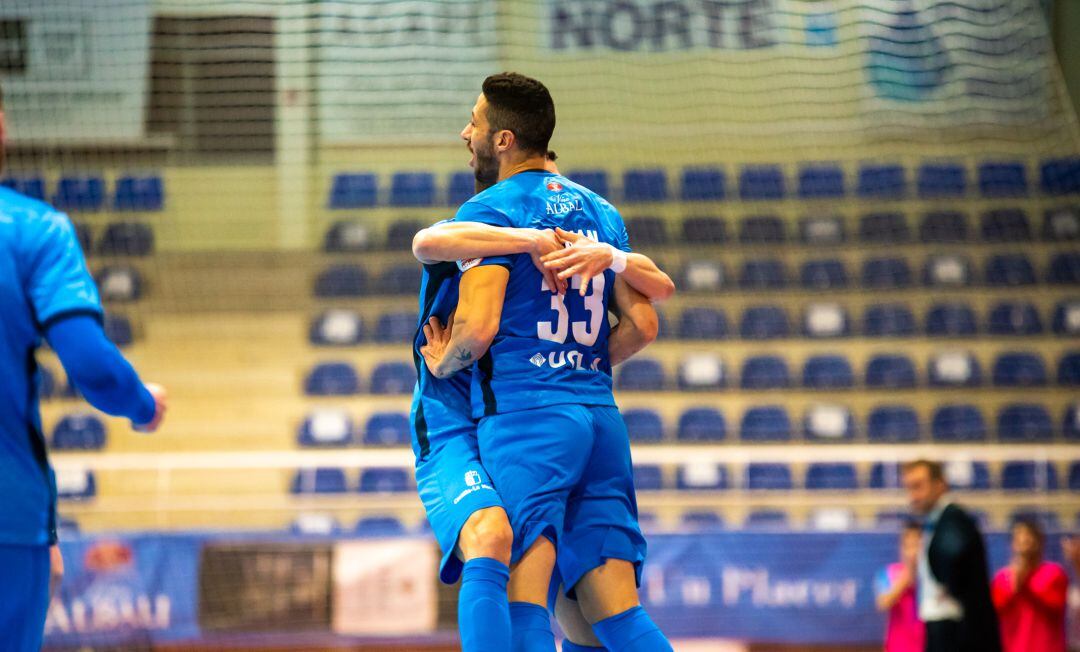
{"x": 1070, "y": 552}
{"x": 895, "y": 589}
{"x": 1030, "y": 594}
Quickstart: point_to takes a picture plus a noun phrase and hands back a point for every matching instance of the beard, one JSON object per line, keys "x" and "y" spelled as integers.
{"x": 486, "y": 170}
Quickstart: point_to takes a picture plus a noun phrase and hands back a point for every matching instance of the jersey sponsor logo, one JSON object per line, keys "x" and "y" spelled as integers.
{"x": 563, "y": 203}
{"x": 554, "y": 186}
{"x": 472, "y": 478}
{"x": 473, "y": 483}
{"x": 537, "y": 359}
{"x": 466, "y": 265}
{"x": 571, "y": 359}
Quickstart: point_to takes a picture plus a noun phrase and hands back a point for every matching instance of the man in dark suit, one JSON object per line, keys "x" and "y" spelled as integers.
{"x": 954, "y": 583}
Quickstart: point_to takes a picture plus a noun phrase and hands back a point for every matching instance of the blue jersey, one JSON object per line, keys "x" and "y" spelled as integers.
{"x": 550, "y": 349}
{"x": 43, "y": 278}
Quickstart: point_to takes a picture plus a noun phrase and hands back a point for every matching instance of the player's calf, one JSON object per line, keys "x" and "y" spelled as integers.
{"x": 609, "y": 600}
{"x": 483, "y": 611}
{"x": 529, "y": 584}
{"x": 578, "y": 631}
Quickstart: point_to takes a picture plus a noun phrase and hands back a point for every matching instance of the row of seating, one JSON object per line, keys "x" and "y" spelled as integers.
{"x": 117, "y": 239}
{"x": 87, "y": 192}
{"x": 932, "y": 180}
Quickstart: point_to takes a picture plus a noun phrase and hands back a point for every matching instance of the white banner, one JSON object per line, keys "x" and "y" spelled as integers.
{"x": 385, "y": 587}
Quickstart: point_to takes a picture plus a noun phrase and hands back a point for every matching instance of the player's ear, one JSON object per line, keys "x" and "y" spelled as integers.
{"x": 504, "y": 140}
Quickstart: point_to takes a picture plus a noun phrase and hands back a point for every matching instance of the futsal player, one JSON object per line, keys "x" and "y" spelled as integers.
{"x": 46, "y": 291}
{"x": 550, "y": 434}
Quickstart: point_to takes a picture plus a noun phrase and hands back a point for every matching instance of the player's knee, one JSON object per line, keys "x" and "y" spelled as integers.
{"x": 487, "y": 533}
{"x": 608, "y": 590}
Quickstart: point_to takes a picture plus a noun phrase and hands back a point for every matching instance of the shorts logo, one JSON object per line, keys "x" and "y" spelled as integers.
{"x": 466, "y": 265}
{"x": 472, "y": 478}
{"x": 554, "y": 186}
{"x": 537, "y": 360}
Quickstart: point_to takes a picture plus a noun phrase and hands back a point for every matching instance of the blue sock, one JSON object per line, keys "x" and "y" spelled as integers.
{"x": 570, "y": 646}
{"x": 631, "y": 631}
{"x": 483, "y": 609}
{"x": 531, "y": 625}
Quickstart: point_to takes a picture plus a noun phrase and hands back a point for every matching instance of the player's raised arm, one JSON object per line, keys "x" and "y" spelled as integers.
{"x": 470, "y": 331}
{"x": 589, "y": 258}
{"x": 638, "y": 324}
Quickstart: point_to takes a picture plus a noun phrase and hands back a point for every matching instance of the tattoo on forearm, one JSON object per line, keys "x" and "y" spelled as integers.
{"x": 452, "y": 364}
{"x": 463, "y": 356}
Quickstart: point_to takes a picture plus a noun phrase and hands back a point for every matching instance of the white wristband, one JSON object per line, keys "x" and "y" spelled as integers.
{"x": 618, "y": 260}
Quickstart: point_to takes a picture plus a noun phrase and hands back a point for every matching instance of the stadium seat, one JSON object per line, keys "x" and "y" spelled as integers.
{"x": 387, "y": 429}
{"x": 822, "y": 230}
{"x": 126, "y": 239}
{"x": 315, "y": 524}
{"x": 1067, "y": 317}
{"x": 886, "y": 273}
{"x": 385, "y": 480}
{"x": 460, "y": 188}
{"x": 119, "y": 330}
{"x": 1061, "y": 224}
{"x": 1005, "y": 225}
{"x": 1064, "y": 269}
{"x": 399, "y": 235}
{"x": 326, "y": 427}
{"x": 764, "y": 323}
{"x": 75, "y": 484}
{"x": 768, "y": 476}
{"x": 1074, "y": 476}
{"x": 641, "y": 374}
{"x": 1019, "y": 369}
{"x": 701, "y": 476}
{"x": 80, "y": 193}
{"x": 648, "y": 477}
{"x": 943, "y": 227}
{"x": 701, "y": 323}
{"x": 762, "y": 229}
{"x": 31, "y": 185}
{"x": 139, "y": 193}
{"x": 1009, "y": 270}
{"x": 1070, "y": 422}
{"x": 412, "y": 189}
{"x": 885, "y": 475}
{"x": 79, "y": 432}
{"x": 1028, "y": 476}
{"x": 643, "y": 425}
{"x": 947, "y": 270}
{"x": 821, "y": 181}
{"x": 1018, "y": 318}
{"x": 766, "y": 519}
{"x": 319, "y": 481}
{"x": 893, "y": 424}
{"x": 968, "y": 476}
{"x": 1003, "y": 179}
{"x": 594, "y": 180}
{"x": 826, "y": 320}
{"x": 393, "y": 378}
{"x": 941, "y": 180}
{"x": 765, "y": 423}
{"x": 336, "y": 327}
{"x": 700, "y": 521}
{"x": 888, "y": 320}
{"x": 67, "y": 528}
{"x": 765, "y": 372}
{"x": 702, "y": 424}
{"x": 119, "y": 283}
{"x": 647, "y": 230}
{"x": 701, "y": 372}
{"x": 891, "y": 520}
{"x": 951, "y": 320}
{"x": 1024, "y": 422}
{"x": 400, "y": 279}
{"x": 379, "y": 526}
{"x": 85, "y": 235}
{"x": 954, "y": 369}
{"x": 645, "y": 185}
{"x": 703, "y": 184}
{"x": 958, "y": 423}
{"x": 768, "y": 274}
{"x": 828, "y": 423}
{"x": 703, "y": 276}
{"x": 828, "y": 274}
{"x": 832, "y": 519}
{"x": 346, "y": 236}
{"x": 884, "y": 228}
{"x": 341, "y": 281}
{"x": 881, "y": 181}
{"x": 828, "y": 372}
{"x": 890, "y": 372}
{"x": 395, "y": 327}
{"x": 761, "y": 182}
{"x": 332, "y": 379}
{"x": 1060, "y": 176}
{"x": 353, "y": 190}
{"x": 1068, "y": 371}
{"x": 664, "y": 328}
{"x": 704, "y": 230}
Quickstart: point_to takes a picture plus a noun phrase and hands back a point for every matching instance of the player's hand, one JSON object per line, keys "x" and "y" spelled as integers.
{"x": 584, "y": 257}
{"x": 544, "y": 243}
{"x": 161, "y": 404}
{"x": 437, "y": 339}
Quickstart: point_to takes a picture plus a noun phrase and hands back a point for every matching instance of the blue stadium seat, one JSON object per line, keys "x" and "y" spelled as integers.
{"x": 332, "y": 379}
{"x": 594, "y": 180}
{"x": 829, "y": 476}
{"x": 893, "y": 424}
{"x": 85, "y": 235}
{"x": 1018, "y": 318}
{"x": 664, "y": 327}
{"x": 884, "y": 228}
{"x": 702, "y": 424}
{"x": 1061, "y": 224}
{"x": 1060, "y": 176}
{"x": 353, "y": 190}
{"x": 139, "y": 193}
{"x": 341, "y": 281}
{"x": 641, "y": 374}
{"x": 769, "y": 274}
{"x": 84, "y": 193}
{"x": 119, "y": 330}
{"x": 702, "y": 477}
{"x": 393, "y": 378}
{"x": 412, "y": 189}
{"x": 765, "y": 423}
{"x": 703, "y": 184}
{"x": 943, "y": 227}
{"x": 119, "y": 283}
{"x": 766, "y": 519}
{"x": 890, "y": 372}
{"x": 701, "y": 372}
{"x": 1067, "y": 317}
{"x": 888, "y": 320}
{"x": 885, "y": 476}
{"x": 1003, "y": 179}
{"x": 958, "y": 423}
{"x": 882, "y": 181}
{"x": 399, "y": 235}
{"x": 75, "y": 484}
{"x": 704, "y": 230}
{"x": 1010, "y": 270}
{"x": 968, "y": 476}
{"x": 821, "y": 181}
{"x": 387, "y": 429}
{"x": 1068, "y": 371}
{"x": 947, "y": 270}
{"x": 828, "y": 372}
{"x": 828, "y": 423}
{"x": 326, "y": 427}
{"x": 827, "y": 274}
{"x": 400, "y": 279}
{"x": 822, "y": 230}
{"x": 319, "y": 481}
{"x": 336, "y": 327}
{"x": 1074, "y": 476}
{"x": 645, "y": 185}
{"x": 701, "y": 323}
{"x": 703, "y": 275}
{"x": 886, "y": 273}
{"x": 891, "y": 520}
{"x": 1005, "y": 225}
{"x": 1024, "y": 422}
{"x": 398, "y": 327}
{"x": 1028, "y": 476}
{"x": 768, "y": 476}
{"x": 761, "y": 182}
{"x": 648, "y": 477}
{"x": 67, "y": 527}
{"x": 701, "y": 521}
{"x": 1064, "y": 269}
{"x": 765, "y": 372}
{"x": 31, "y": 185}
{"x": 460, "y": 188}
{"x": 647, "y": 230}
{"x": 644, "y": 425}
{"x": 1070, "y": 422}
{"x": 79, "y": 432}
{"x": 346, "y": 236}
{"x": 762, "y": 229}
{"x": 954, "y": 369}
{"x": 1019, "y": 369}
{"x": 126, "y": 239}
{"x": 826, "y": 320}
{"x": 764, "y": 323}
{"x": 387, "y": 479}
{"x": 379, "y": 526}
{"x": 938, "y": 180}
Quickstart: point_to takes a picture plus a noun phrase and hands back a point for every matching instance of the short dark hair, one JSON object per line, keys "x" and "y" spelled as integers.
{"x": 523, "y": 106}
{"x": 551, "y": 155}
{"x": 1033, "y": 526}
{"x": 935, "y": 469}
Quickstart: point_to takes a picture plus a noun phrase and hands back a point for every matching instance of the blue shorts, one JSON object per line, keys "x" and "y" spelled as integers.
{"x": 24, "y": 597}
{"x": 452, "y": 485}
{"x": 564, "y": 472}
